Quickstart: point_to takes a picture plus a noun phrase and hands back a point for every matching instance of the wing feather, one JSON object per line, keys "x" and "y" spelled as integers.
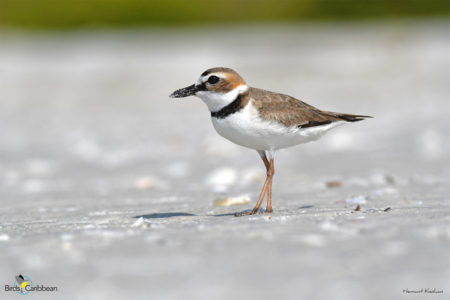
{"x": 293, "y": 112}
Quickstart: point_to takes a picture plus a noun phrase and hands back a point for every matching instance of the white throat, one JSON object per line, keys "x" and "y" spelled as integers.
{"x": 216, "y": 101}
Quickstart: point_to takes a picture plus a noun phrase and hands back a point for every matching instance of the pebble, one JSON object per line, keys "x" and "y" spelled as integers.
{"x": 139, "y": 222}
{"x": 4, "y": 237}
{"x": 240, "y": 200}
{"x": 144, "y": 183}
{"x": 97, "y": 213}
{"x": 333, "y": 184}
{"x": 221, "y": 179}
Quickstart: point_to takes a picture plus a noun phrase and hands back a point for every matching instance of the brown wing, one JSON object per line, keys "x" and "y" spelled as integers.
{"x": 290, "y": 111}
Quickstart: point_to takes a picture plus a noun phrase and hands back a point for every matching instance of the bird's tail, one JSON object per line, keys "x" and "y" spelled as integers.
{"x": 349, "y": 117}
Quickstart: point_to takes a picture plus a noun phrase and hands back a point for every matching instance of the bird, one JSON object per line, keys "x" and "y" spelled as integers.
{"x": 259, "y": 119}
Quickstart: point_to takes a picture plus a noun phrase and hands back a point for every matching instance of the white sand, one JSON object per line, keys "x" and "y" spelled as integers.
{"x": 90, "y": 141}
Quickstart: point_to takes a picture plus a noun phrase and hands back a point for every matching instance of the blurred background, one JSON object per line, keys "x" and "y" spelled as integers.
{"x": 72, "y": 14}
{"x": 90, "y": 141}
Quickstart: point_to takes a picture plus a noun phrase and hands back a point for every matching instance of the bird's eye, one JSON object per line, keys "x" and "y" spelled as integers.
{"x": 213, "y": 79}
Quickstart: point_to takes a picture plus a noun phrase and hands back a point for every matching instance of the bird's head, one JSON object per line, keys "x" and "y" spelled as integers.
{"x": 217, "y": 87}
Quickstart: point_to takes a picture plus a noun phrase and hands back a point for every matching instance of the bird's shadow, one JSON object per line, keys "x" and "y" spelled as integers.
{"x": 184, "y": 214}
{"x": 177, "y": 214}
{"x": 165, "y": 215}
{"x": 224, "y": 215}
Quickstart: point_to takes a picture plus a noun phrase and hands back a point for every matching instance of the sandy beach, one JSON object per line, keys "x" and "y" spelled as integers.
{"x": 107, "y": 185}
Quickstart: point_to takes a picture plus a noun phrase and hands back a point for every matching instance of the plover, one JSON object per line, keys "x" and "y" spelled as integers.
{"x": 259, "y": 119}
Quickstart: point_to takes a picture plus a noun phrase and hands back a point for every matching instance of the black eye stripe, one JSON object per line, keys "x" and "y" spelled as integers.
{"x": 213, "y": 79}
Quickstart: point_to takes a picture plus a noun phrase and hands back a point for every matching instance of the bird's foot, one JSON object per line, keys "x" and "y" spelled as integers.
{"x": 250, "y": 212}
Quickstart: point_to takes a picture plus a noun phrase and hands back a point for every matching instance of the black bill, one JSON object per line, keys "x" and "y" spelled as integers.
{"x": 185, "y": 92}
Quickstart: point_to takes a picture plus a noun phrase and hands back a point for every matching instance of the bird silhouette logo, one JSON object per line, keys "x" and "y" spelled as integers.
{"x": 23, "y": 282}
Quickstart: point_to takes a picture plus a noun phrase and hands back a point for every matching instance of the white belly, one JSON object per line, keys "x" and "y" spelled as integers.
{"x": 247, "y": 129}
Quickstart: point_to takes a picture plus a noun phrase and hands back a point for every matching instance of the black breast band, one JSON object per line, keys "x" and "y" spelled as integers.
{"x": 231, "y": 108}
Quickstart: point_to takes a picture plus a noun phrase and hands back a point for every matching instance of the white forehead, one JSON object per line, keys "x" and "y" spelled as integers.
{"x": 202, "y": 79}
